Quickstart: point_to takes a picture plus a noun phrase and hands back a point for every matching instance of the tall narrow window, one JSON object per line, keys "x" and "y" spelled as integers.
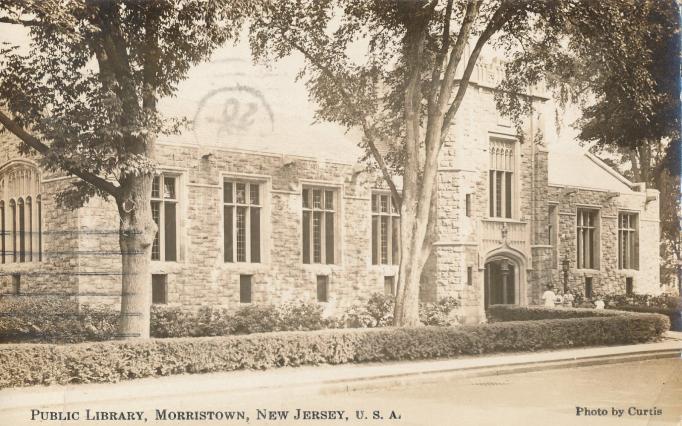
{"x": 245, "y": 289}
{"x": 22, "y": 231}
{"x": 470, "y": 275}
{"x": 29, "y": 235}
{"x": 322, "y": 288}
{"x": 159, "y": 289}
{"x": 318, "y": 225}
{"x": 241, "y": 221}
{"x": 467, "y": 205}
{"x": 13, "y": 209}
{"x": 2, "y": 232}
{"x": 587, "y": 228}
{"x": 500, "y": 177}
{"x": 385, "y": 230}
{"x": 552, "y": 233}
{"x": 628, "y": 241}
{"x": 164, "y": 212}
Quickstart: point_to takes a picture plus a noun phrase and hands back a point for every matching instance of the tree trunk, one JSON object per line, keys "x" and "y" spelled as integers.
{"x": 679, "y": 277}
{"x": 415, "y": 218}
{"x": 406, "y": 313}
{"x": 645, "y": 162}
{"x": 137, "y": 231}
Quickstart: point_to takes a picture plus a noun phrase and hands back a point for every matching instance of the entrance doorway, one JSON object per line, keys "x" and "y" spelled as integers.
{"x": 500, "y": 282}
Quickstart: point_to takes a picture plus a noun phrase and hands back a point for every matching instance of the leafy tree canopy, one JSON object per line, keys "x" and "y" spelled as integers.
{"x": 84, "y": 92}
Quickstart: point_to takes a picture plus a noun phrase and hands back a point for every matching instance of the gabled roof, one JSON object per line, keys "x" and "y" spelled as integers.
{"x": 571, "y": 165}
{"x": 238, "y": 105}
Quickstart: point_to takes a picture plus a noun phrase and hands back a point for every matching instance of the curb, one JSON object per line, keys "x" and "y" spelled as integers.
{"x": 346, "y": 378}
{"x": 467, "y": 373}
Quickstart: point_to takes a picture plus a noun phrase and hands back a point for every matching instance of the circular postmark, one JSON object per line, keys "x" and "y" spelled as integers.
{"x": 232, "y": 111}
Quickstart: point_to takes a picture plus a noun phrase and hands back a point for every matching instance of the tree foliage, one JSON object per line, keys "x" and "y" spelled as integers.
{"x": 83, "y": 90}
{"x": 82, "y": 95}
{"x": 399, "y": 71}
{"x": 629, "y": 94}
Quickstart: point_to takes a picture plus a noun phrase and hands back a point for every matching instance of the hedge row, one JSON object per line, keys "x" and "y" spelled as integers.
{"x": 533, "y": 313}
{"x": 674, "y": 315}
{"x": 36, "y": 364}
{"x": 29, "y": 319}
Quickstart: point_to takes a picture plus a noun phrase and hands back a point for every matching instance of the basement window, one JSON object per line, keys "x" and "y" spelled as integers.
{"x": 245, "y": 289}
{"x": 389, "y": 286}
{"x": 322, "y": 288}
{"x": 159, "y": 289}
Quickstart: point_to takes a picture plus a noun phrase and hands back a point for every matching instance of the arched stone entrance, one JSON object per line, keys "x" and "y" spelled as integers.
{"x": 503, "y": 280}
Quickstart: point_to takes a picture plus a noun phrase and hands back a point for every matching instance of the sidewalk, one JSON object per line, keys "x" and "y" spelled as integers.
{"x": 338, "y": 378}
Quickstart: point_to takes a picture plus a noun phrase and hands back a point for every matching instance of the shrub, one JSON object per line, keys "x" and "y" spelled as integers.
{"x": 219, "y": 321}
{"x": 378, "y": 312}
{"x": 301, "y": 316}
{"x": 54, "y": 319}
{"x": 254, "y": 319}
{"x": 30, "y": 364}
{"x": 662, "y": 301}
{"x": 670, "y": 306}
{"x": 170, "y": 322}
{"x": 438, "y": 313}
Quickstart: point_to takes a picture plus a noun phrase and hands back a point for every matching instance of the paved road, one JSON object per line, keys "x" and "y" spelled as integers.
{"x": 537, "y": 398}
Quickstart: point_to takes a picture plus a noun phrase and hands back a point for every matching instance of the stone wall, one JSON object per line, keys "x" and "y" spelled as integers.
{"x": 56, "y": 271}
{"x": 608, "y": 278}
{"x": 463, "y": 169}
{"x": 201, "y": 277}
{"x": 81, "y": 250}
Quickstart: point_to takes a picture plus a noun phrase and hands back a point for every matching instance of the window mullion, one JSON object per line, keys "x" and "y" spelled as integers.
{"x": 247, "y": 229}
{"x": 323, "y": 235}
{"x": 389, "y": 240}
{"x": 503, "y": 195}
{"x": 494, "y": 193}
{"x": 235, "y": 230}
{"x": 312, "y": 235}
{"x": 162, "y": 227}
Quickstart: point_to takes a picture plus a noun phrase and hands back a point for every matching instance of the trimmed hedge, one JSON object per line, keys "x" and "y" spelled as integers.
{"x": 674, "y": 315}
{"x": 35, "y": 364}
{"x": 533, "y": 313}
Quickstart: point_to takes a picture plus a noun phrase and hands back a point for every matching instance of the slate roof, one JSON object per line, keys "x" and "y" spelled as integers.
{"x": 572, "y": 165}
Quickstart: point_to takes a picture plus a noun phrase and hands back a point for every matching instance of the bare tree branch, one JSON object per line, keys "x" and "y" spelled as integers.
{"x": 495, "y": 24}
{"x": 26, "y": 23}
{"x": 416, "y": 35}
{"x": 434, "y": 129}
{"x": 456, "y": 54}
{"x": 440, "y": 57}
{"x": 36, "y": 144}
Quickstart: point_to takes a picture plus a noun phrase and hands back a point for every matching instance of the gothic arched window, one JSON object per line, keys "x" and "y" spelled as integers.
{"x": 501, "y": 178}
{"x": 21, "y": 223}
